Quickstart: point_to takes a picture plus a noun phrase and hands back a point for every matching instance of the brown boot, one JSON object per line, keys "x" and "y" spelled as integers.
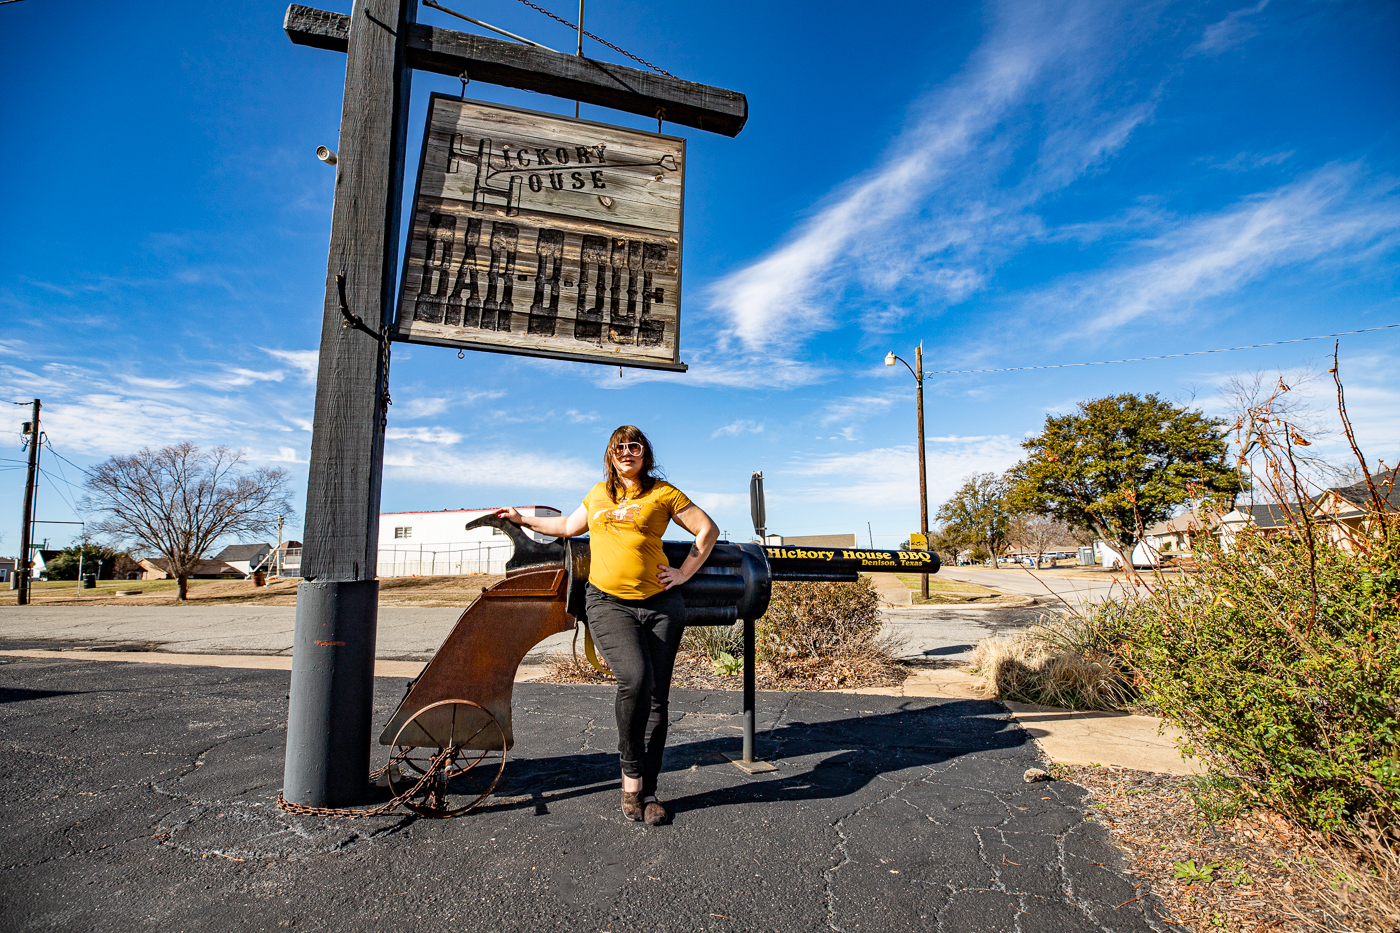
{"x": 632, "y": 805}
{"x": 655, "y": 813}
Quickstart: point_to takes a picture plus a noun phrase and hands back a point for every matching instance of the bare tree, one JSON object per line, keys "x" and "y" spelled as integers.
{"x": 179, "y": 500}
{"x": 1037, "y": 534}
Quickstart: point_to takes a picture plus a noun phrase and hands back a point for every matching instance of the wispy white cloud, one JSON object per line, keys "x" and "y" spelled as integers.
{"x": 727, "y": 368}
{"x": 578, "y": 417}
{"x": 304, "y": 361}
{"x": 11, "y": 347}
{"x": 735, "y": 428}
{"x": 1335, "y": 216}
{"x": 887, "y": 477}
{"x": 503, "y": 469}
{"x": 1249, "y": 161}
{"x": 1237, "y": 27}
{"x": 856, "y": 406}
{"x": 939, "y": 209}
{"x": 234, "y": 377}
{"x": 437, "y": 435}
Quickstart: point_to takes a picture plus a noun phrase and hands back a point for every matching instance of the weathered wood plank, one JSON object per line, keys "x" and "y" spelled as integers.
{"x": 342, "y": 503}
{"x": 510, "y": 64}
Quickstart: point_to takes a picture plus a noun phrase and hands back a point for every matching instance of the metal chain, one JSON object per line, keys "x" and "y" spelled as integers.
{"x": 436, "y": 765}
{"x": 560, "y": 19}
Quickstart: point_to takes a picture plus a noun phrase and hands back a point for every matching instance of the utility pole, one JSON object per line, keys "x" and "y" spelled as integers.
{"x": 26, "y": 528}
{"x": 923, "y": 473}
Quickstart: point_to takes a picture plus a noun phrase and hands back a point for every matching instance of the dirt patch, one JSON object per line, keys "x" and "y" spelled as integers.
{"x": 1239, "y": 871}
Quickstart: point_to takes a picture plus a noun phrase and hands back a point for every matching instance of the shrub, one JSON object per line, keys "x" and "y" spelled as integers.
{"x": 1299, "y": 697}
{"x": 835, "y": 626}
{"x": 814, "y": 620}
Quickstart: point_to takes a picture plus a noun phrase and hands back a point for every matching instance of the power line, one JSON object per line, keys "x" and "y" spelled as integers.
{"x": 62, "y": 494}
{"x": 560, "y": 19}
{"x": 1165, "y": 356}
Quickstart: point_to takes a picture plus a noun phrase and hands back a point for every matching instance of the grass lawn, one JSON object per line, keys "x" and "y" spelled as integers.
{"x": 946, "y": 592}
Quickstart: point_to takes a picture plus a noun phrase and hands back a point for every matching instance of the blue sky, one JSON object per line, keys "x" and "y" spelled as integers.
{"x": 1011, "y": 183}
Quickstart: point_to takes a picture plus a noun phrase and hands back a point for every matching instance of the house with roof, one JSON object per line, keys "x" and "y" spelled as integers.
{"x": 244, "y": 557}
{"x": 1268, "y": 518}
{"x": 1347, "y": 510}
{"x": 158, "y": 568}
{"x": 1176, "y": 535}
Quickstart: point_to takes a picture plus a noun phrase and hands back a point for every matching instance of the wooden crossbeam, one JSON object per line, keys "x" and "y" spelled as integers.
{"x": 510, "y": 64}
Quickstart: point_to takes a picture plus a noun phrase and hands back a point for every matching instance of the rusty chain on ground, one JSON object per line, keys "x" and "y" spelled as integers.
{"x": 436, "y": 765}
{"x": 560, "y": 19}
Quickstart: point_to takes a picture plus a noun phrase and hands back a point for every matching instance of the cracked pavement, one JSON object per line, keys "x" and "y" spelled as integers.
{"x": 142, "y": 796}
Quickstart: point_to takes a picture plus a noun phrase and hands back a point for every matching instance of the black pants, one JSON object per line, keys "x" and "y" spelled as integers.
{"x": 638, "y": 638}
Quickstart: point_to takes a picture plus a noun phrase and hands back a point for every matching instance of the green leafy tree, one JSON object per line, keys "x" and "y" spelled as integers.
{"x": 1122, "y": 463}
{"x": 978, "y": 513}
{"x": 949, "y": 544}
{"x": 92, "y": 558}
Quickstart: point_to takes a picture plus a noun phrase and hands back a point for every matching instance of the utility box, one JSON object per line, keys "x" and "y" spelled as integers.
{"x": 1086, "y": 556}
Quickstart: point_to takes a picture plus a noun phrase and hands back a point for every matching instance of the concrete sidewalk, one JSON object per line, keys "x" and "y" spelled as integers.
{"x": 141, "y": 796}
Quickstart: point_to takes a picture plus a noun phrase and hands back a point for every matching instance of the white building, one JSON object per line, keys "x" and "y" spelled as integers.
{"x": 438, "y": 543}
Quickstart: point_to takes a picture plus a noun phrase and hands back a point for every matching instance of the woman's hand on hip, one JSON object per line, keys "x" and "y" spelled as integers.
{"x": 669, "y": 576}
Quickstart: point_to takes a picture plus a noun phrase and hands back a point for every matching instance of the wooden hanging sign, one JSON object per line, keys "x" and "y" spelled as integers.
{"x": 545, "y": 236}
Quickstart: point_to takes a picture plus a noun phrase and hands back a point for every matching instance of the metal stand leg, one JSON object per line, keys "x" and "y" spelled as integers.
{"x": 748, "y": 763}
{"x": 748, "y": 691}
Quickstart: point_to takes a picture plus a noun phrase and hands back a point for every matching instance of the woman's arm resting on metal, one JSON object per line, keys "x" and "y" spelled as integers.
{"x": 694, "y": 520}
{"x": 559, "y": 526}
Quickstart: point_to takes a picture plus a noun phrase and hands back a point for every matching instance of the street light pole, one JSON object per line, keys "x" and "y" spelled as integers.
{"x": 917, "y": 371}
{"x": 923, "y": 472}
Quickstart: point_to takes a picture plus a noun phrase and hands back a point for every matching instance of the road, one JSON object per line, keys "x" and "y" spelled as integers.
{"x": 404, "y": 633}
{"x": 141, "y": 797}
{"x": 1077, "y": 590}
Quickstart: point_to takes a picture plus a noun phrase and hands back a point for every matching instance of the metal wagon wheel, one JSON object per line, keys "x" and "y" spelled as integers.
{"x": 467, "y": 774}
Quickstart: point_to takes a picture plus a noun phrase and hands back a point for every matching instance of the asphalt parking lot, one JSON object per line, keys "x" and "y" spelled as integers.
{"x": 142, "y": 797}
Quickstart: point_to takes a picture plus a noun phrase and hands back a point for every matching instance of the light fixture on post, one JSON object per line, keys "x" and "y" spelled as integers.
{"x": 917, "y": 371}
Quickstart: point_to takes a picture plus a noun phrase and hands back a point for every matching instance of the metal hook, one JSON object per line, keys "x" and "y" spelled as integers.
{"x": 461, "y": 354}
{"x": 466, "y": 79}
{"x": 660, "y": 115}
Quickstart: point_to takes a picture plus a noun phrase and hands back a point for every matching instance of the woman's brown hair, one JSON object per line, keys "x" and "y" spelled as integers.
{"x": 649, "y": 476}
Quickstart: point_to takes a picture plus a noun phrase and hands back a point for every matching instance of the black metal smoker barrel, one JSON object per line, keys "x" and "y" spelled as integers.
{"x": 735, "y": 583}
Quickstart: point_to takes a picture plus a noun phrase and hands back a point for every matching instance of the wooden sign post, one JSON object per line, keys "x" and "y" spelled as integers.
{"x": 329, "y": 715}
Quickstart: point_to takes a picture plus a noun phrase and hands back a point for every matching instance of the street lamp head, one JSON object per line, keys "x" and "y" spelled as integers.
{"x": 889, "y": 358}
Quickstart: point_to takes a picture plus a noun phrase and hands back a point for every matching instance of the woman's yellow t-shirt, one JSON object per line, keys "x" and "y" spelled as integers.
{"x": 625, "y": 538}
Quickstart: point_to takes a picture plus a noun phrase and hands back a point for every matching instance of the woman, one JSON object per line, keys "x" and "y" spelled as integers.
{"x": 634, "y": 611}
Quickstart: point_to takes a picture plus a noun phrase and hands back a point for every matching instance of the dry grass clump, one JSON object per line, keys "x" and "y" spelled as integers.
{"x": 574, "y": 669}
{"x": 1054, "y": 663}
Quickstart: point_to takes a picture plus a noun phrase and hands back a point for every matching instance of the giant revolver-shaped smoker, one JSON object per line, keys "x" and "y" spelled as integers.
{"x": 462, "y": 700}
